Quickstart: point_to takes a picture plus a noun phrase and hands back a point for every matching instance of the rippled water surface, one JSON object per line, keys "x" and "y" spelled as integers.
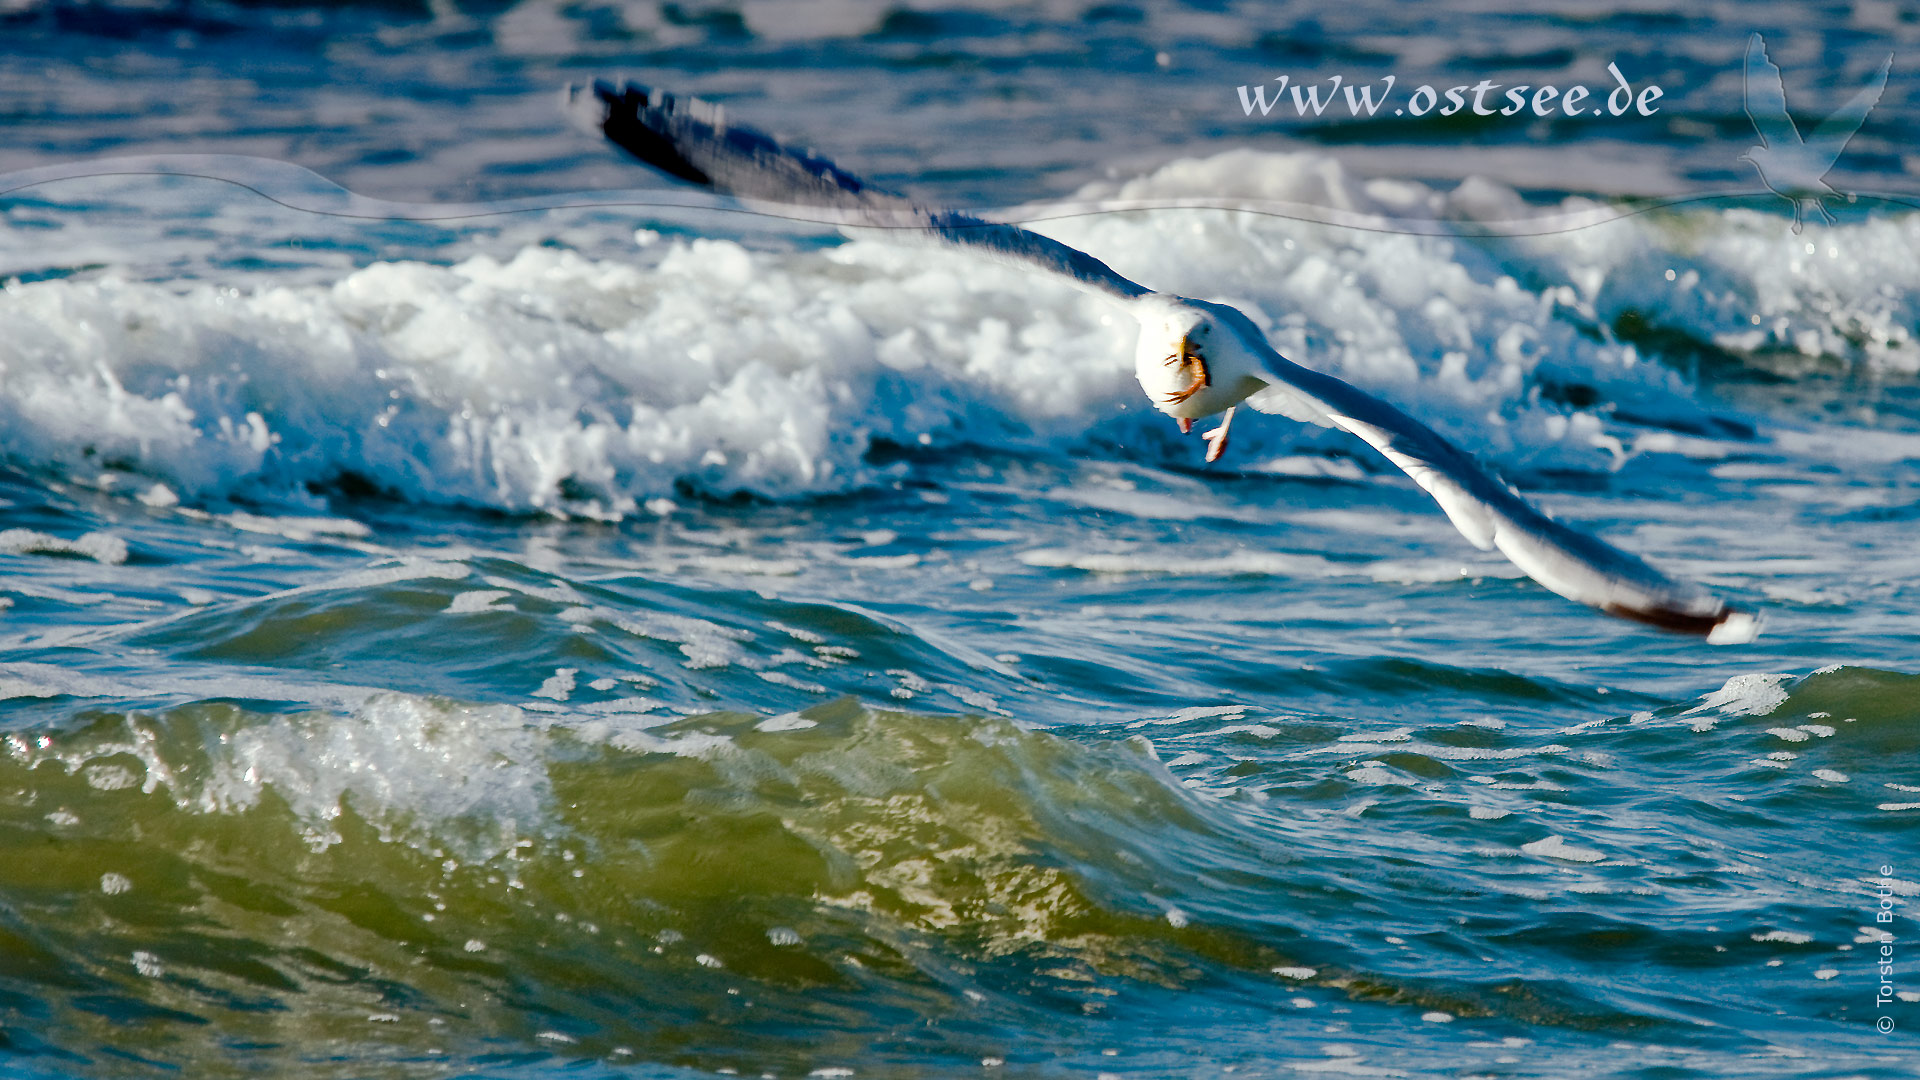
{"x": 653, "y": 641}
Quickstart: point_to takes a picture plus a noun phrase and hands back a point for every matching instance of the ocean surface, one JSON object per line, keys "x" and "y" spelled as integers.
{"x": 470, "y": 609}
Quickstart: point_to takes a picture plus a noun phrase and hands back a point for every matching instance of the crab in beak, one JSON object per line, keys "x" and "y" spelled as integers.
{"x": 1188, "y": 360}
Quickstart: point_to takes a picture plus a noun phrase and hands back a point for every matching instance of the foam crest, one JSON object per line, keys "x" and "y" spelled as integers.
{"x": 555, "y": 382}
{"x": 396, "y": 758}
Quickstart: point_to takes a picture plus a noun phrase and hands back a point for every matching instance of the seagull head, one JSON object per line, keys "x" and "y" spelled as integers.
{"x": 1195, "y": 358}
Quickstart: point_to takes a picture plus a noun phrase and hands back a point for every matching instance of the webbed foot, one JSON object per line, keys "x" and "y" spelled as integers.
{"x": 1217, "y": 438}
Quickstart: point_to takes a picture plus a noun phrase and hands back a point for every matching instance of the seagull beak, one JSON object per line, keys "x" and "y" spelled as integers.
{"x": 1190, "y": 360}
{"x": 1206, "y": 377}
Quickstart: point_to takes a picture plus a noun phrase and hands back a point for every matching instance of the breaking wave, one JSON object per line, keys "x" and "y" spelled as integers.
{"x": 548, "y": 379}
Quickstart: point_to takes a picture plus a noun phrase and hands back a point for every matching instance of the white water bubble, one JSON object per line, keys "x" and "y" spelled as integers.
{"x": 1555, "y": 847}
{"x": 559, "y": 685}
{"x": 478, "y": 600}
{"x": 100, "y": 547}
{"x": 115, "y": 884}
{"x": 792, "y": 721}
{"x": 110, "y": 777}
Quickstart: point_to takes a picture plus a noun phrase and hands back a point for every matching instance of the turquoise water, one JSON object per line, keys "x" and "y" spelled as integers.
{"x": 644, "y": 641}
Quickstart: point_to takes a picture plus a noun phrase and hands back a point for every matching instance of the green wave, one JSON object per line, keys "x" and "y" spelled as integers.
{"x": 227, "y": 891}
{"x": 427, "y": 887}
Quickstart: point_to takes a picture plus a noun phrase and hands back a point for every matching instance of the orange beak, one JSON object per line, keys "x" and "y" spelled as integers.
{"x": 1200, "y": 375}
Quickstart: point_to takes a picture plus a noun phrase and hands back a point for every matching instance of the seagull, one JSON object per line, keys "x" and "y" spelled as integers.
{"x": 1195, "y": 358}
{"x": 1794, "y": 168}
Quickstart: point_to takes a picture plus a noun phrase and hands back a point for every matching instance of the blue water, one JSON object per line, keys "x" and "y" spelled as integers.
{"x": 655, "y": 640}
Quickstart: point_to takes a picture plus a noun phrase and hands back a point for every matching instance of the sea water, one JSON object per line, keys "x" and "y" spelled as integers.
{"x": 660, "y": 640}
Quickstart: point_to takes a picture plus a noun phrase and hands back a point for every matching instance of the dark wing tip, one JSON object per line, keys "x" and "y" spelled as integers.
{"x": 636, "y": 118}
{"x": 1725, "y": 626}
{"x": 691, "y": 140}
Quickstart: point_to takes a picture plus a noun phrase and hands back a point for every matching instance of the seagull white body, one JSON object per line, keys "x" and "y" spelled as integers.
{"x": 1193, "y": 366}
{"x": 1195, "y": 358}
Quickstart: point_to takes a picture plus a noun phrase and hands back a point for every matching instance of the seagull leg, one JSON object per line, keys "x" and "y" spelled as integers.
{"x": 1186, "y": 425}
{"x": 1217, "y": 438}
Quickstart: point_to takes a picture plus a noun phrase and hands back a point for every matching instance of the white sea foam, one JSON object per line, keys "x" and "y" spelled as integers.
{"x": 396, "y": 757}
{"x": 100, "y": 547}
{"x": 1261, "y": 563}
{"x": 467, "y": 603}
{"x": 1554, "y": 847}
{"x": 1747, "y": 695}
{"x": 551, "y": 381}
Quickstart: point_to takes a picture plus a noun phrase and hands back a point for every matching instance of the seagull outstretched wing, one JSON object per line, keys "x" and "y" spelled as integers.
{"x": 1835, "y": 131}
{"x": 1491, "y": 515}
{"x": 692, "y": 141}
